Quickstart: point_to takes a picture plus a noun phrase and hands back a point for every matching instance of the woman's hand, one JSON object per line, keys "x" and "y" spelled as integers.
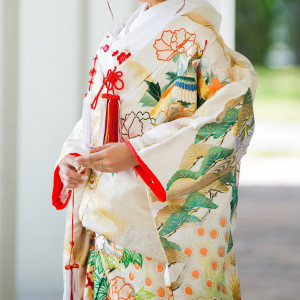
{"x": 68, "y": 174}
{"x": 113, "y": 158}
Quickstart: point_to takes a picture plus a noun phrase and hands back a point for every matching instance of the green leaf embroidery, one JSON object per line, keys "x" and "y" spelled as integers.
{"x": 92, "y": 257}
{"x": 214, "y": 155}
{"x": 168, "y": 244}
{"x": 234, "y": 200}
{"x": 101, "y": 287}
{"x": 182, "y": 174}
{"x": 227, "y": 178}
{"x": 195, "y": 200}
{"x": 110, "y": 262}
{"x": 131, "y": 257}
{"x": 230, "y": 242}
{"x": 248, "y": 97}
{"x": 171, "y": 76}
{"x": 154, "y": 90}
{"x": 143, "y": 295}
{"x": 192, "y": 202}
{"x": 185, "y": 104}
{"x": 98, "y": 264}
{"x": 148, "y": 101}
{"x": 218, "y": 129}
{"x": 175, "y": 221}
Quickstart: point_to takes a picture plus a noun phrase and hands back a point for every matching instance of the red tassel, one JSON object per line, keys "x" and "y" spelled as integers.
{"x": 112, "y": 121}
{"x": 112, "y": 128}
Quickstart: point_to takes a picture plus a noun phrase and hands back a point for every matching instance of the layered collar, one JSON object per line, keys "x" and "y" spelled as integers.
{"x": 152, "y": 20}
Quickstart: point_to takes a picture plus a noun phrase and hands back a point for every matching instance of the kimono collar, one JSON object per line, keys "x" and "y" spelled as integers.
{"x": 152, "y": 20}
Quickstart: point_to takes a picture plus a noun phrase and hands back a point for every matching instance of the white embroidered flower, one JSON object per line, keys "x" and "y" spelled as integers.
{"x": 99, "y": 242}
{"x": 134, "y": 125}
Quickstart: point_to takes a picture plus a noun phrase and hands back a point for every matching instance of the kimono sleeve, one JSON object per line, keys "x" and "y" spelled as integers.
{"x": 195, "y": 151}
{"x": 73, "y": 146}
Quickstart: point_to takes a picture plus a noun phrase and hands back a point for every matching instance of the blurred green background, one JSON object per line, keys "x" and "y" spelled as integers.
{"x": 267, "y": 32}
{"x": 267, "y": 237}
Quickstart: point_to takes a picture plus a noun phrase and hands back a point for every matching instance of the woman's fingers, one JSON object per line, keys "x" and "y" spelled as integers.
{"x": 70, "y": 173}
{"x": 91, "y": 159}
{"x": 100, "y": 148}
{"x": 68, "y": 179}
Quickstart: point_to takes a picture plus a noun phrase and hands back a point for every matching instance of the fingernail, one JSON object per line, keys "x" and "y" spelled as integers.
{"x": 84, "y": 177}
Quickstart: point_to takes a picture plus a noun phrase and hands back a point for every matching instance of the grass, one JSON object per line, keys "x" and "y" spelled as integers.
{"x": 278, "y": 94}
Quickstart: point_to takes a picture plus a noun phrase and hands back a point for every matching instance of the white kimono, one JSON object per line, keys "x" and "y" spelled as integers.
{"x": 186, "y": 112}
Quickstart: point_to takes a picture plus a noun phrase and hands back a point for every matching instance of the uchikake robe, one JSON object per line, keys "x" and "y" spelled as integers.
{"x": 186, "y": 112}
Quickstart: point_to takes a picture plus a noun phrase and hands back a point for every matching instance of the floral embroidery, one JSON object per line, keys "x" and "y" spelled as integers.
{"x": 119, "y": 289}
{"x": 105, "y": 48}
{"x": 175, "y": 42}
{"x": 134, "y": 125}
{"x": 123, "y": 56}
{"x": 115, "y": 53}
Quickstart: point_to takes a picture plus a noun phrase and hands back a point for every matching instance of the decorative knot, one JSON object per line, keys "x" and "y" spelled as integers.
{"x": 111, "y": 81}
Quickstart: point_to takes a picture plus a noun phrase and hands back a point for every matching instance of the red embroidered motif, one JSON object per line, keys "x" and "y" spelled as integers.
{"x": 123, "y": 56}
{"x": 92, "y": 73}
{"x": 175, "y": 42}
{"x": 105, "y": 48}
{"x": 115, "y": 53}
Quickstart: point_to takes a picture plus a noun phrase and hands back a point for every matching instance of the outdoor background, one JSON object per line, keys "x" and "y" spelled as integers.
{"x": 46, "y": 51}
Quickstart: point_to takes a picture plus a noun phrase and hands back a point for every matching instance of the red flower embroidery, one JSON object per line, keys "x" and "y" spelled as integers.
{"x": 120, "y": 290}
{"x": 175, "y": 42}
{"x": 115, "y": 53}
{"x": 123, "y": 56}
{"x": 104, "y": 48}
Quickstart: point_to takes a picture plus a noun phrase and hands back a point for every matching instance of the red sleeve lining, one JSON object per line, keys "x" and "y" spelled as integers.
{"x": 57, "y": 188}
{"x": 147, "y": 175}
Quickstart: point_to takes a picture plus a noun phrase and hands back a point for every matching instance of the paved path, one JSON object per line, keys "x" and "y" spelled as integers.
{"x": 267, "y": 242}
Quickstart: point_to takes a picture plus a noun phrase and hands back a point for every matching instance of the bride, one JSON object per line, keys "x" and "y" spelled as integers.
{"x": 150, "y": 172}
